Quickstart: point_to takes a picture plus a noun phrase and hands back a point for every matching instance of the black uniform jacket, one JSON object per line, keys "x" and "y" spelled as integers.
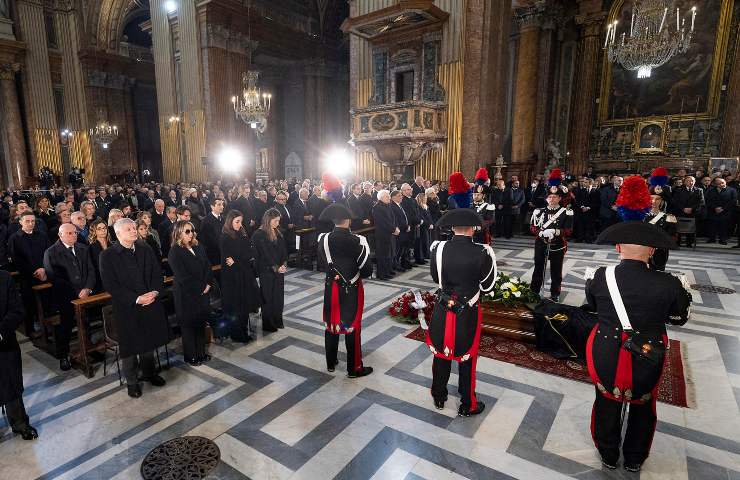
{"x": 563, "y": 226}
{"x": 68, "y": 272}
{"x": 666, "y": 221}
{"x": 11, "y": 316}
{"x": 684, "y": 198}
{"x": 385, "y": 225}
{"x": 343, "y": 290}
{"x": 467, "y": 268}
{"x": 652, "y": 299}
{"x": 126, "y": 276}
{"x": 192, "y": 272}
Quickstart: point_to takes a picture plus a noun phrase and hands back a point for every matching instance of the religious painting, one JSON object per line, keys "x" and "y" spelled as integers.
{"x": 650, "y": 136}
{"x": 687, "y": 84}
{"x": 724, "y": 165}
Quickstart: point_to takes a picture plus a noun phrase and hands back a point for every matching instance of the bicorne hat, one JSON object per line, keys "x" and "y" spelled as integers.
{"x": 460, "y": 217}
{"x": 335, "y": 213}
{"x": 636, "y": 233}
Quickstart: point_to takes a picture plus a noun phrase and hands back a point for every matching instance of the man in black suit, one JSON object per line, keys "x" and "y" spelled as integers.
{"x": 687, "y": 201}
{"x": 244, "y": 204}
{"x": 70, "y": 270}
{"x": 210, "y": 231}
{"x": 411, "y": 208}
{"x": 11, "y": 368}
{"x": 403, "y": 239}
{"x": 607, "y": 198}
{"x": 27, "y": 248}
{"x": 165, "y": 229}
{"x": 386, "y": 233}
{"x": 300, "y": 209}
{"x": 316, "y": 205}
{"x": 586, "y": 208}
{"x": 721, "y": 201}
{"x": 361, "y": 216}
{"x": 102, "y": 203}
{"x": 418, "y": 186}
{"x": 260, "y": 205}
{"x": 287, "y": 221}
{"x": 158, "y": 213}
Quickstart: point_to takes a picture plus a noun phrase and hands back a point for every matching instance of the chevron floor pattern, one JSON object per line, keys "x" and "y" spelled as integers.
{"x": 276, "y": 413}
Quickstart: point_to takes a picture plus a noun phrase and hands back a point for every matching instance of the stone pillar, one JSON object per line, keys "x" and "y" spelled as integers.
{"x": 315, "y": 119}
{"x": 545, "y": 89}
{"x": 486, "y": 61}
{"x": 584, "y": 95}
{"x": 527, "y": 86}
{"x": 16, "y": 163}
{"x": 731, "y": 133}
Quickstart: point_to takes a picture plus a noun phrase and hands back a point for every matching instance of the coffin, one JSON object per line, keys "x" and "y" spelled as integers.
{"x": 513, "y": 322}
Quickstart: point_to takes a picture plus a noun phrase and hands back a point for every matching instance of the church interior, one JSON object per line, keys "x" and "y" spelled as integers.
{"x": 162, "y": 94}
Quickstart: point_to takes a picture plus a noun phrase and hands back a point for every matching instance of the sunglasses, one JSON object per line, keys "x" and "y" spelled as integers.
{"x": 187, "y": 231}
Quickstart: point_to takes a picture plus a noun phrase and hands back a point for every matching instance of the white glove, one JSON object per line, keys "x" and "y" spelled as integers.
{"x": 548, "y": 234}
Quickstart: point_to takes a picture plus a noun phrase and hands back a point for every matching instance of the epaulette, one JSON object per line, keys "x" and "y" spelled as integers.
{"x": 433, "y": 245}
{"x": 536, "y": 211}
{"x": 671, "y": 218}
{"x": 569, "y": 211}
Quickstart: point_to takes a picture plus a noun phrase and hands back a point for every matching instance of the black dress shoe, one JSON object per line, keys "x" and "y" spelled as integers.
{"x": 364, "y": 371}
{"x": 65, "y": 364}
{"x": 331, "y": 369}
{"x": 155, "y": 380}
{"x": 205, "y": 358}
{"x": 439, "y": 404}
{"x": 609, "y": 464}
{"x": 736, "y": 246}
{"x": 28, "y": 433}
{"x": 632, "y": 467}
{"x": 134, "y": 391}
{"x": 269, "y": 329}
{"x": 464, "y": 412}
{"x": 722, "y": 242}
{"x": 555, "y": 298}
{"x": 193, "y": 362}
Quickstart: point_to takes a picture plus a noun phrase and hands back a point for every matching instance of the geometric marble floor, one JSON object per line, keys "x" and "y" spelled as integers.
{"x": 276, "y": 413}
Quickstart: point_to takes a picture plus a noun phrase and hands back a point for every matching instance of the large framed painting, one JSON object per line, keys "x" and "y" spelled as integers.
{"x": 688, "y": 85}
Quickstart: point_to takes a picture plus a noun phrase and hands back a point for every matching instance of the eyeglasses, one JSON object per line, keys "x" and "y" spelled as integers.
{"x": 188, "y": 231}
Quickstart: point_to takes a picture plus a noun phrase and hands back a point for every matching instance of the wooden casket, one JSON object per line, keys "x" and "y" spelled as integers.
{"x": 513, "y": 322}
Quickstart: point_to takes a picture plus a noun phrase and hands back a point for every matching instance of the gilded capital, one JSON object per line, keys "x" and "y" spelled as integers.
{"x": 528, "y": 18}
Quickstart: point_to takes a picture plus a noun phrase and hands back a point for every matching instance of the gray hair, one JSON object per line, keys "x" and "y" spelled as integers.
{"x": 112, "y": 211}
{"x": 120, "y": 223}
{"x": 59, "y": 207}
{"x": 76, "y": 215}
{"x": 382, "y": 193}
{"x": 431, "y": 191}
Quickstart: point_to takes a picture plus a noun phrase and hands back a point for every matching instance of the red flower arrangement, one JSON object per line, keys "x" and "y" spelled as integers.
{"x": 402, "y": 309}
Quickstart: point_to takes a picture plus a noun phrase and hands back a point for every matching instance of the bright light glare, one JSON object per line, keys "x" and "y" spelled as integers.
{"x": 230, "y": 160}
{"x": 339, "y": 162}
{"x": 170, "y": 6}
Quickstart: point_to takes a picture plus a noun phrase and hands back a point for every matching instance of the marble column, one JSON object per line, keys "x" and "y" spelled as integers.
{"x": 527, "y": 86}
{"x": 731, "y": 132}
{"x": 584, "y": 95}
{"x": 15, "y": 148}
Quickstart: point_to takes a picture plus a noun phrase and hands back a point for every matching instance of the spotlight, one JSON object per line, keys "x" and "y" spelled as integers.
{"x": 230, "y": 160}
{"x": 170, "y": 6}
{"x": 339, "y": 161}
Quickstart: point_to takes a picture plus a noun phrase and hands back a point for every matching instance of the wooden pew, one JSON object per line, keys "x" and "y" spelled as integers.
{"x": 45, "y": 321}
{"x": 81, "y": 305}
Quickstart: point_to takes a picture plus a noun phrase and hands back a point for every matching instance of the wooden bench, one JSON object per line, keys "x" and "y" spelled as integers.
{"x": 81, "y": 305}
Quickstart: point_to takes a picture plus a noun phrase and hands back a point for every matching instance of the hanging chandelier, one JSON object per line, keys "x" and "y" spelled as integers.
{"x": 651, "y": 41}
{"x": 103, "y": 133}
{"x": 253, "y": 106}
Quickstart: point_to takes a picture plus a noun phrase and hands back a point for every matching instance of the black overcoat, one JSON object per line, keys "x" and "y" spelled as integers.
{"x": 192, "y": 272}
{"x": 210, "y": 237}
{"x": 240, "y": 294}
{"x": 126, "y": 276}
{"x": 385, "y": 225}
{"x": 11, "y": 316}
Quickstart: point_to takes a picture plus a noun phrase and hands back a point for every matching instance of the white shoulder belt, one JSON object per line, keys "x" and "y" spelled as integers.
{"x": 438, "y": 261}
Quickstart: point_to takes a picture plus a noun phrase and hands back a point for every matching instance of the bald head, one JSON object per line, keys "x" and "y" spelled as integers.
{"x": 630, "y": 251}
{"x": 68, "y": 234}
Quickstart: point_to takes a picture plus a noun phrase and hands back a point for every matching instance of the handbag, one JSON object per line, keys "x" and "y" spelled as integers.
{"x": 637, "y": 344}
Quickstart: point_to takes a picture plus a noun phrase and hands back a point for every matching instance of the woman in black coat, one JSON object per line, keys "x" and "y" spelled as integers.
{"x": 272, "y": 258}
{"x": 239, "y": 290}
{"x": 192, "y": 282}
{"x": 142, "y": 230}
{"x": 11, "y": 369}
{"x": 99, "y": 241}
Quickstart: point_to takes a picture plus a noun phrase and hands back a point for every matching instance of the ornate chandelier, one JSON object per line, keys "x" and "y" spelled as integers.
{"x": 253, "y": 107}
{"x": 651, "y": 41}
{"x": 103, "y": 133}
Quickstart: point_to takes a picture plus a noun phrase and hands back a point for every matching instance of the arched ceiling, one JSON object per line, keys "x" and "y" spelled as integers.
{"x": 107, "y": 18}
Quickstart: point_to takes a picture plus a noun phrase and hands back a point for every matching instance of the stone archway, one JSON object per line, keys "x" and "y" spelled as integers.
{"x": 107, "y": 19}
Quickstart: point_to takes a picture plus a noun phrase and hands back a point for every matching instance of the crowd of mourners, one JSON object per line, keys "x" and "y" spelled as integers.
{"x": 124, "y": 239}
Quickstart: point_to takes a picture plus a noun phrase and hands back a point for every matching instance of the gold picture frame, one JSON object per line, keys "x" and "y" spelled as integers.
{"x": 650, "y": 136}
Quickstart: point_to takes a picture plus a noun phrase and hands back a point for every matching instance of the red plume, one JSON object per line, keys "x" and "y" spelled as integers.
{"x": 458, "y": 184}
{"x": 634, "y": 194}
{"x": 555, "y": 173}
{"x": 660, "y": 172}
{"x": 481, "y": 174}
{"x": 330, "y": 181}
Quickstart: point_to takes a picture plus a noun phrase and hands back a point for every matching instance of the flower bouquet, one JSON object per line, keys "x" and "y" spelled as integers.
{"x": 510, "y": 292}
{"x": 405, "y": 308}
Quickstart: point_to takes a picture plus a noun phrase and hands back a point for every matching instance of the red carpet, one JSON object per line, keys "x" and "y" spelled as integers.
{"x": 672, "y": 388}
